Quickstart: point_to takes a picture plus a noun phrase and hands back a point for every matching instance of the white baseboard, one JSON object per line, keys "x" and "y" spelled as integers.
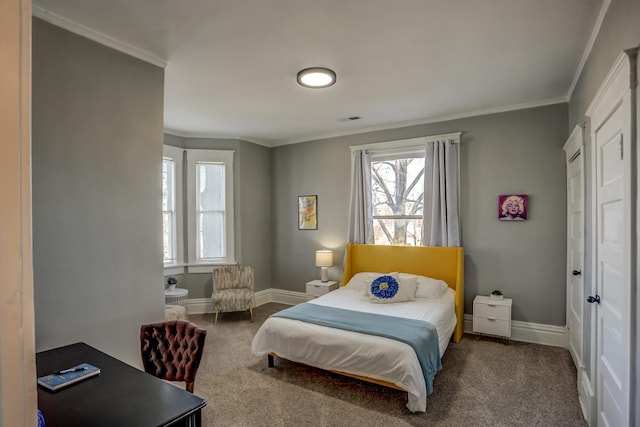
{"x": 586, "y": 397}
{"x": 205, "y": 305}
{"x": 536, "y": 333}
{"x": 199, "y": 305}
{"x": 280, "y": 296}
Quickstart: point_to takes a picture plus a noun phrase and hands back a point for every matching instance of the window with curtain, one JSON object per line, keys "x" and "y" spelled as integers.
{"x": 405, "y": 192}
{"x": 397, "y": 198}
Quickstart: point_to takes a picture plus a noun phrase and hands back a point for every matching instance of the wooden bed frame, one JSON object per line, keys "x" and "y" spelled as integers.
{"x": 444, "y": 263}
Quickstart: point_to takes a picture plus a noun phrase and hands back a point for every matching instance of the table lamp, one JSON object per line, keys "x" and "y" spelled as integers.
{"x": 324, "y": 259}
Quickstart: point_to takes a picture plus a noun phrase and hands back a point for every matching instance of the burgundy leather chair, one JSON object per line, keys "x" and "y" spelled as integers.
{"x": 172, "y": 350}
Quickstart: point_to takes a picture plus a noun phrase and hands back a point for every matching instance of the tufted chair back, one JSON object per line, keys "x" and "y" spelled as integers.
{"x": 233, "y": 289}
{"x": 172, "y": 350}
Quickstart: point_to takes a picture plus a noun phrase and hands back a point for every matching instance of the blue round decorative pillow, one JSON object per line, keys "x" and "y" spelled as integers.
{"x": 384, "y": 287}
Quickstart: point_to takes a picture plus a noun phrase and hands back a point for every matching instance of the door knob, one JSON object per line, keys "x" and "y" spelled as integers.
{"x": 592, "y": 299}
{"x": 576, "y": 272}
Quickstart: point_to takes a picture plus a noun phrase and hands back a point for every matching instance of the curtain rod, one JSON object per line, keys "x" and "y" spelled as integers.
{"x": 412, "y": 142}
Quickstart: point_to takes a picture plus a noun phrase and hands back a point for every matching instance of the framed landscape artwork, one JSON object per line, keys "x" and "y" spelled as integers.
{"x": 512, "y": 207}
{"x": 307, "y": 212}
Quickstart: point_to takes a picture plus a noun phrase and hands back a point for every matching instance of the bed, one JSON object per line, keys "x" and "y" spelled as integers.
{"x": 372, "y": 358}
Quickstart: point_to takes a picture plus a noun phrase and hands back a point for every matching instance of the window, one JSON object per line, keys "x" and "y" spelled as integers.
{"x": 210, "y": 208}
{"x": 171, "y": 206}
{"x": 210, "y": 211}
{"x": 390, "y": 181}
{"x": 168, "y": 212}
{"x": 397, "y": 191}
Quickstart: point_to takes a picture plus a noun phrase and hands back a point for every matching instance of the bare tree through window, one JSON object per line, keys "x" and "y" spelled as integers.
{"x": 397, "y": 198}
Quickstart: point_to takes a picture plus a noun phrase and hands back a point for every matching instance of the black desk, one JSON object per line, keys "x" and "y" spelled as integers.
{"x": 120, "y": 395}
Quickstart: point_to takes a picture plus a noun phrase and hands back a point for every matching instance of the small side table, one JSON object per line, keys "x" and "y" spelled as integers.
{"x": 492, "y": 316}
{"x": 178, "y": 296}
{"x": 316, "y": 288}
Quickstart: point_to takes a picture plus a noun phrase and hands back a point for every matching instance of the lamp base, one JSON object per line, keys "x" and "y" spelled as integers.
{"x": 324, "y": 274}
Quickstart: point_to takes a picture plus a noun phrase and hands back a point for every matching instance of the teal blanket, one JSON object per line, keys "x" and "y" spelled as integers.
{"x": 419, "y": 334}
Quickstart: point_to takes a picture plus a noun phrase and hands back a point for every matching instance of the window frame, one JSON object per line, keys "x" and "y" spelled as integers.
{"x": 193, "y": 158}
{"x": 176, "y": 154}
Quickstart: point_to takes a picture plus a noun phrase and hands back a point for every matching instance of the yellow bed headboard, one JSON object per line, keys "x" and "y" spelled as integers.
{"x": 444, "y": 263}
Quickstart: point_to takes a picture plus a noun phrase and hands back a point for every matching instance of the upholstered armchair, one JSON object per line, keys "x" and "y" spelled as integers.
{"x": 172, "y": 350}
{"x": 233, "y": 289}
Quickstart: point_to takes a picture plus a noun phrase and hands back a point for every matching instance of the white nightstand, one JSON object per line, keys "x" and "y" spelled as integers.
{"x": 492, "y": 316}
{"x": 315, "y": 288}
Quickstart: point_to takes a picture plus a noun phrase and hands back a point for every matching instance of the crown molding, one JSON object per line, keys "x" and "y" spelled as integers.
{"x": 589, "y": 47}
{"x": 612, "y": 78}
{"x": 143, "y": 55}
{"x": 486, "y": 111}
{"x": 211, "y": 136}
{"x": 96, "y": 36}
{"x": 475, "y": 113}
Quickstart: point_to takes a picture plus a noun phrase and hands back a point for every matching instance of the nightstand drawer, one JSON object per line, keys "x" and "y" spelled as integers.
{"x": 491, "y": 316}
{"x": 491, "y": 311}
{"x": 315, "y": 288}
{"x": 492, "y": 326}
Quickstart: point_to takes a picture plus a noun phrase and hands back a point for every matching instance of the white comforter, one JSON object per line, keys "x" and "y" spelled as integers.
{"x": 360, "y": 354}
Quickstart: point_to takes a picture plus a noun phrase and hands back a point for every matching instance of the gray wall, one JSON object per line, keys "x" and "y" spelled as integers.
{"x": 97, "y": 150}
{"x": 252, "y": 210}
{"x": 255, "y": 211}
{"x": 514, "y": 152}
{"x": 620, "y": 30}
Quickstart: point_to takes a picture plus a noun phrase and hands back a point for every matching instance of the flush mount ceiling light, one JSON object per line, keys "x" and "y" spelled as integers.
{"x": 316, "y": 77}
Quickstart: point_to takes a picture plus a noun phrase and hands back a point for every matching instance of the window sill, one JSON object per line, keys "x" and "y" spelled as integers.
{"x": 174, "y": 269}
{"x": 194, "y": 268}
{"x": 207, "y": 268}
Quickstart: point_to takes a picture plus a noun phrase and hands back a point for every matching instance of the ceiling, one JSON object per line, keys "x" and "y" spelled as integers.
{"x": 231, "y": 65}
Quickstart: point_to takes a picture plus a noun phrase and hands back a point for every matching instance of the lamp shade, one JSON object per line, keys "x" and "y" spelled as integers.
{"x": 324, "y": 258}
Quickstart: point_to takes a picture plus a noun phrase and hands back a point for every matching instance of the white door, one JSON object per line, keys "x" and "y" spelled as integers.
{"x": 611, "y": 136}
{"x": 575, "y": 245}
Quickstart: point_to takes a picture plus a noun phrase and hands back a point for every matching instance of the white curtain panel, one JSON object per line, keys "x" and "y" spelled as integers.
{"x": 441, "y": 222}
{"x": 360, "y": 228}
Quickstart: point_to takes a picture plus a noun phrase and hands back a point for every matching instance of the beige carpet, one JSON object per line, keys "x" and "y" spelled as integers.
{"x": 483, "y": 383}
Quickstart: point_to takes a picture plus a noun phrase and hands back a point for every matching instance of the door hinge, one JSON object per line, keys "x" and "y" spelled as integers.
{"x": 621, "y": 147}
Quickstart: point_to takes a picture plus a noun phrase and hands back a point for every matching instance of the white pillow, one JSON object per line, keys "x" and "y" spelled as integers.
{"x": 390, "y": 288}
{"x": 361, "y": 281}
{"x": 431, "y": 288}
{"x": 410, "y": 282}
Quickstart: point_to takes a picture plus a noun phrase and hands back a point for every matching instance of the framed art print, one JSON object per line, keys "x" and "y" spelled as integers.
{"x": 307, "y": 212}
{"x": 512, "y": 207}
